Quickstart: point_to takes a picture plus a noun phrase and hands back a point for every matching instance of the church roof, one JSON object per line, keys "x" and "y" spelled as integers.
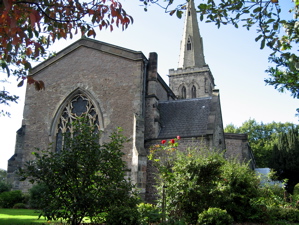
{"x": 186, "y": 118}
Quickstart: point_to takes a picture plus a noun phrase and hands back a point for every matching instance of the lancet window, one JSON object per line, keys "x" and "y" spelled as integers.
{"x": 79, "y": 106}
{"x": 183, "y": 92}
{"x": 189, "y": 45}
{"x": 193, "y": 91}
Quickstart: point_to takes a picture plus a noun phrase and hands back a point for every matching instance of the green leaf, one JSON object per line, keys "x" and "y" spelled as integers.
{"x": 258, "y": 37}
{"x": 258, "y": 9}
{"x": 21, "y": 83}
{"x": 263, "y": 43}
{"x": 179, "y": 14}
{"x": 271, "y": 20}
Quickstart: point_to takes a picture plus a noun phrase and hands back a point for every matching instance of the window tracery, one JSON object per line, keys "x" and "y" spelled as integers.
{"x": 79, "y": 106}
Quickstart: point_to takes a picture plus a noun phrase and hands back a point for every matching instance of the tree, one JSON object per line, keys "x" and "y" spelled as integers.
{"x": 273, "y": 28}
{"x": 29, "y": 27}
{"x": 261, "y": 137}
{"x": 84, "y": 179}
{"x": 4, "y": 185}
{"x": 285, "y": 158}
{"x": 6, "y": 99}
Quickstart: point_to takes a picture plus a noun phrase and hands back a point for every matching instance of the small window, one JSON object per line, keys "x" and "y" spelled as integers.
{"x": 193, "y": 91}
{"x": 189, "y": 46}
{"x": 189, "y": 13}
{"x": 183, "y": 92}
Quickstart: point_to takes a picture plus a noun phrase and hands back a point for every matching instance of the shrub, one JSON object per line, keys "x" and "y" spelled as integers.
{"x": 148, "y": 213}
{"x": 239, "y": 185}
{"x": 85, "y": 178}
{"x": 123, "y": 216}
{"x": 19, "y": 206}
{"x": 4, "y": 186}
{"x": 296, "y": 192}
{"x": 215, "y": 216}
{"x": 9, "y": 198}
{"x": 289, "y": 214}
{"x": 37, "y": 196}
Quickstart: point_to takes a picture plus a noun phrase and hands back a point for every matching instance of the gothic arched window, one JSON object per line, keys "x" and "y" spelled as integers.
{"x": 189, "y": 45}
{"x": 183, "y": 92}
{"x": 193, "y": 91}
{"x": 79, "y": 106}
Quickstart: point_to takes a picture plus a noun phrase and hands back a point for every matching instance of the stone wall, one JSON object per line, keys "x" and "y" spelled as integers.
{"x": 112, "y": 76}
{"x": 237, "y": 147}
{"x": 215, "y": 121}
{"x": 201, "y": 78}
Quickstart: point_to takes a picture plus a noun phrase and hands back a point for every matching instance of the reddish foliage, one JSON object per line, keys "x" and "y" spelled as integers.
{"x": 28, "y": 27}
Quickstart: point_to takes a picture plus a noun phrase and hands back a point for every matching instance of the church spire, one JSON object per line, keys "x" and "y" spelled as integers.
{"x": 191, "y": 54}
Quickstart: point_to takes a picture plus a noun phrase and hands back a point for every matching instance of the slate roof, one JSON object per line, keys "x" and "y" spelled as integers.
{"x": 188, "y": 117}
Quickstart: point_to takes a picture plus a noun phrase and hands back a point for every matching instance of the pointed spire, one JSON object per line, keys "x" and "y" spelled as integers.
{"x": 191, "y": 54}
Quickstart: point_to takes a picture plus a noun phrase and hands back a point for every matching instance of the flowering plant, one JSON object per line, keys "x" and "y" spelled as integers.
{"x": 164, "y": 151}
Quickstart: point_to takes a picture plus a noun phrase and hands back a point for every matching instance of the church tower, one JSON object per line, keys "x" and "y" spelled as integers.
{"x": 193, "y": 78}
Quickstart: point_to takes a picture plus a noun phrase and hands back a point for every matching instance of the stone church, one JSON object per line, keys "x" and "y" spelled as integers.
{"x": 119, "y": 87}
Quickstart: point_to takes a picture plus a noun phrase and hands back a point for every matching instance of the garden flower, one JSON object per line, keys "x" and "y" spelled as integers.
{"x": 172, "y": 141}
{"x": 178, "y": 137}
{"x": 163, "y": 142}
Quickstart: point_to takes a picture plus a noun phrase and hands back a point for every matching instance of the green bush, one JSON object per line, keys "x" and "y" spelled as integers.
{"x": 239, "y": 185}
{"x": 283, "y": 214}
{"x": 148, "y": 213}
{"x": 19, "y": 206}
{"x": 4, "y": 186}
{"x": 296, "y": 192}
{"x": 9, "y": 198}
{"x": 38, "y": 194}
{"x": 270, "y": 203}
{"x": 215, "y": 216}
{"x": 123, "y": 216}
{"x": 289, "y": 214}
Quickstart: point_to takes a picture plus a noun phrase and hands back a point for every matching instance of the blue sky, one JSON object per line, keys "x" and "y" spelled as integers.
{"x": 233, "y": 56}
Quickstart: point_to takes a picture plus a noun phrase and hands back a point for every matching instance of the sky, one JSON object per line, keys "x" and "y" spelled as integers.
{"x": 235, "y": 59}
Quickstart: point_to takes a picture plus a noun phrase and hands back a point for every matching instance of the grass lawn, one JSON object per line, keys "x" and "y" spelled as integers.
{"x": 20, "y": 217}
